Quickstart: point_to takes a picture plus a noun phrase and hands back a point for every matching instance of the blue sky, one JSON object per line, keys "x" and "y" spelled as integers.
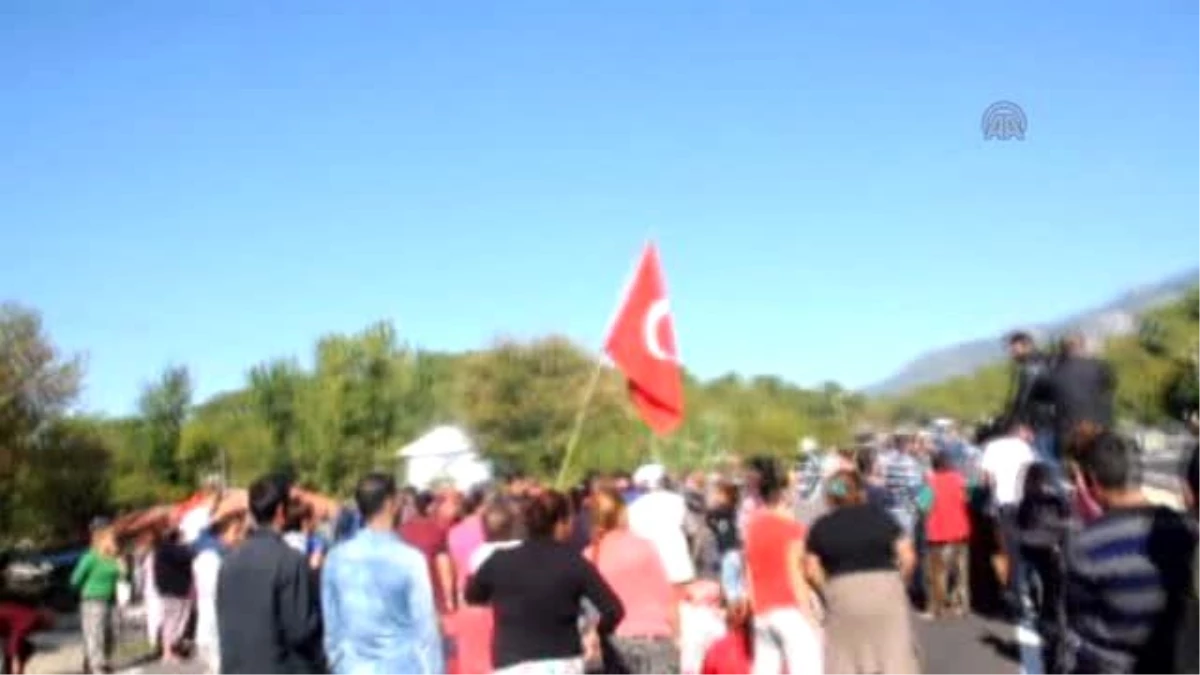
{"x": 220, "y": 183}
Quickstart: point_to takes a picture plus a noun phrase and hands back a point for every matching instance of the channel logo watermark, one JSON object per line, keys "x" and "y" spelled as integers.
{"x": 1004, "y": 121}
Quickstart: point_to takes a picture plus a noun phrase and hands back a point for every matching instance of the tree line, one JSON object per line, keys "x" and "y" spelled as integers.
{"x": 369, "y": 393}
{"x": 365, "y": 396}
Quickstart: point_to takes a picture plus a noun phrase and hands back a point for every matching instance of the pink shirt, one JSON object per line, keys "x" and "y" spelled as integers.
{"x": 462, "y": 541}
{"x": 632, "y": 567}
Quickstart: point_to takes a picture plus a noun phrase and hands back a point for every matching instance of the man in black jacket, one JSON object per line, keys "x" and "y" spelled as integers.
{"x": 1081, "y": 387}
{"x": 1027, "y": 401}
{"x": 1030, "y": 401}
{"x": 267, "y": 606}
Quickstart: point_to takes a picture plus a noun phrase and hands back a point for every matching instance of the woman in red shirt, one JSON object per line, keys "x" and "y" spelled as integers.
{"x": 780, "y": 598}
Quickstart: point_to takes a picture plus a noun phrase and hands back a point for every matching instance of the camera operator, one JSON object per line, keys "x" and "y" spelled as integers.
{"x": 1030, "y": 401}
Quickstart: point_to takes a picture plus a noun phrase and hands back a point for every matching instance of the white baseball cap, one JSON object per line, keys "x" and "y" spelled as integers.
{"x": 649, "y": 475}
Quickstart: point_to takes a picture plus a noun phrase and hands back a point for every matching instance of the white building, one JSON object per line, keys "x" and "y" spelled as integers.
{"x": 443, "y": 454}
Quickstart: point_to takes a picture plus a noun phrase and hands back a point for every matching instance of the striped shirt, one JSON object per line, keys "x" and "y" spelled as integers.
{"x": 1125, "y": 576}
{"x": 903, "y": 476}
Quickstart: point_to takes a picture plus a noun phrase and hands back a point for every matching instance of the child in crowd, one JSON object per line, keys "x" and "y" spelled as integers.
{"x": 945, "y": 501}
{"x": 732, "y": 654}
{"x": 95, "y": 578}
{"x": 1042, "y": 519}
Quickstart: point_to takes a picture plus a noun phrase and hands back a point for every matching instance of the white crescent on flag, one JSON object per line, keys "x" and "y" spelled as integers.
{"x": 658, "y": 311}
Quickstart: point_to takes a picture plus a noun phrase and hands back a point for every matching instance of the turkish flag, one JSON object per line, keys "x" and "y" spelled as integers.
{"x": 642, "y": 344}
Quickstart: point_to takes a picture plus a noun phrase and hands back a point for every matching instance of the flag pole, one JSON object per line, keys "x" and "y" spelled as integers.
{"x": 580, "y": 416}
{"x": 590, "y": 390}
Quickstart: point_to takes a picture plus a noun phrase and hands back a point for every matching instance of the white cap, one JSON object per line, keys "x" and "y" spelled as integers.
{"x": 649, "y": 475}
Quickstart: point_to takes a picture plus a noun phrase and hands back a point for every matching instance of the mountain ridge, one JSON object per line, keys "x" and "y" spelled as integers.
{"x": 1118, "y": 316}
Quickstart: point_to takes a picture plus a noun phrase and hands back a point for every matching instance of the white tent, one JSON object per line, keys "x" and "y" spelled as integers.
{"x": 445, "y": 453}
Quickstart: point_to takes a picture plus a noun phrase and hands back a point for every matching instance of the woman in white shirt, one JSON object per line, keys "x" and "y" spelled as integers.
{"x": 206, "y": 567}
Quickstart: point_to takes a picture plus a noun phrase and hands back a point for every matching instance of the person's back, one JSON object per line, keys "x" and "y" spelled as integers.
{"x": 462, "y": 540}
{"x": 1126, "y": 575}
{"x": 379, "y": 609}
{"x": 535, "y": 590}
{"x": 205, "y": 571}
{"x": 1083, "y": 389}
{"x": 902, "y": 479}
{"x": 1043, "y": 519}
{"x": 499, "y": 523}
{"x": 632, "y": 567}
{"x": 265, "y": 609}
{"x": 768, "y": 540}
{"x": 1004, "y": 462}
{"x": 267, "y": 617}
{"x": 426, "y": 535}
{"x": 173, "y": 570}
{"x": 658, "y": 516}
{"x": 949, "y": 519}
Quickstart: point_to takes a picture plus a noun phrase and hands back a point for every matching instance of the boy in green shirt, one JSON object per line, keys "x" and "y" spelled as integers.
{"x": 95, "y": 577}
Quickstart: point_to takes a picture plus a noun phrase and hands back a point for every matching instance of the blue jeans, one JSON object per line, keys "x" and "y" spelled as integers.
{"x": 1018, "y": 583}
{"x": 1045, "y": 446}
{"x": 731, "y": 575}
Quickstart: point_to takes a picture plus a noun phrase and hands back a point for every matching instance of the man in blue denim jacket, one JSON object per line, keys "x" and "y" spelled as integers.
{"x": 376, "y": 594}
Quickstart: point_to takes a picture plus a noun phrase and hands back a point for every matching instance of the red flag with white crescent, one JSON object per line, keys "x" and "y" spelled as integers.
{"x": 642, "y": 344}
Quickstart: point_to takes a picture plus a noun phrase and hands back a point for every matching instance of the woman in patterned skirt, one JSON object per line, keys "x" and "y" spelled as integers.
{"x": 645, "y": 640}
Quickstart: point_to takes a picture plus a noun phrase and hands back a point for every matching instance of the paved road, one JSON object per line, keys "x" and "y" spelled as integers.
{"x": 968, "y": 645}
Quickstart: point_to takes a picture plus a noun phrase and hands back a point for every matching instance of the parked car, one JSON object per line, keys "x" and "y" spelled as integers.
{"x": 40, "y": 577}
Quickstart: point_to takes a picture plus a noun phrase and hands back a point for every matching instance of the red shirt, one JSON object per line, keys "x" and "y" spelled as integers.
{"x": 949, "y": 521}
{"x": 728, "y": 656}
{"x": 769, "y": 539}
{"x": 429, "y": 537}
{"x": 16, "y": 623}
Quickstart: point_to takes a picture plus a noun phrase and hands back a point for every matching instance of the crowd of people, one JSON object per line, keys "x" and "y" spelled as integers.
{"x": 754, "y": 566}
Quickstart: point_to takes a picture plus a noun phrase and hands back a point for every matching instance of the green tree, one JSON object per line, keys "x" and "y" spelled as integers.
{"x": 1152, "y": 336}
{"x": 521, "y": 401}
{"x": 164, "y": 407}
{"x": 1189, "y": 304}
{"x": 275, "y": 388}
{"x": 65, "y": 482}
{"x": 37, "y": 384}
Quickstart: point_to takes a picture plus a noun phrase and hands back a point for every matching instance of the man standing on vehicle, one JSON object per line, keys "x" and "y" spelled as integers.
{"x": 1082, "y": 388}
{"x": 1030, "y": 402}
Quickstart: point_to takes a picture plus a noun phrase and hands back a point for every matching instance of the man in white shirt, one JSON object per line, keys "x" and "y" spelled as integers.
{"x": 206, "y": 567}
{"x": 1004, "y": 464}
{"x": 1005, "y": 460}
{"x": 658, "y": 516}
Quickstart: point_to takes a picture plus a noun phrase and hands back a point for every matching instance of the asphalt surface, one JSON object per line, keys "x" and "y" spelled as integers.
{"x": 966, "y": 645}
{"x": 971, "y": 644}
{"x": 953, "y": 646}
